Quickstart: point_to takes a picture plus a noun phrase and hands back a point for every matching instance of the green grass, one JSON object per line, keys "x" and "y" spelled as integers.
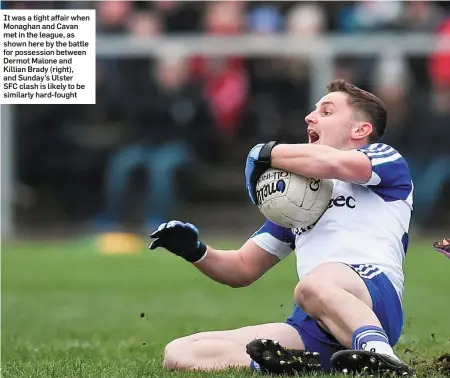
{"x": 68, "y": 311}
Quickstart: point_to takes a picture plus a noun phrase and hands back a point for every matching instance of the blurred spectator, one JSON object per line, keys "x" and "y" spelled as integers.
{"x": 225, "y": 86}
{"x": 112, "y": 19}
{"x": 439, "y": 62}
{"x": 430, "y": 167}
{"x": 263, "y": 113}
{"x": 224, "y": 17}
{"x": 392, "y": 83}
{"x": 264, "y": 20}
{"x": 112, "y": 16}
{"x": 306, "y": 20}
{"x": 224, "y": 80}
{"x": 302, "y": 20}
{"x": 423, "y": 17}
{"x": 179, "y": 16}
{"x": 375, "y": 15}
{"x": 145, "y": 24}
{"x": 366, "y": 17}
{"x": 173, "y": 127}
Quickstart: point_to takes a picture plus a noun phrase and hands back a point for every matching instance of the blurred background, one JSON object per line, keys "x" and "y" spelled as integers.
{"x": 185, "y": 89}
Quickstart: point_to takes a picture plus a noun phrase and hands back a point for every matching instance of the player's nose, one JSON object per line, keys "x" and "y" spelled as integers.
{"x": 310, "y": 119}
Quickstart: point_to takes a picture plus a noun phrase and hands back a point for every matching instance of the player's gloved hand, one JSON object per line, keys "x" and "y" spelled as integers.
{"x": 258, "y": 161}
{"x": 179, "y": 238}
{"x": 443, "y": 247}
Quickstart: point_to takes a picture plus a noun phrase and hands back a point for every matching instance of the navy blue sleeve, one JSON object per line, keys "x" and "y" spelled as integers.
{"x": 390, "y": 179}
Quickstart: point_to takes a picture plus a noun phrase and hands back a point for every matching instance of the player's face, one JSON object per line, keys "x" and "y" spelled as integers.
{"x": 332, "y": 121}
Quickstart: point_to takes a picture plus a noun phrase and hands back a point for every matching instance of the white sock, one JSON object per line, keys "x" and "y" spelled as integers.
{"x": 372, "y": 338}
{"x": 380, "y": 347}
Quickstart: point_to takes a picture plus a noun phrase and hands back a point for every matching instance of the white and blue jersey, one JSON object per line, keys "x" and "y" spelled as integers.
{"x": 365, "y": 226}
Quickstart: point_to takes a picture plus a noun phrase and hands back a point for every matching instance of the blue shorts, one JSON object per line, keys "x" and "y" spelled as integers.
{"x": 386, "y": 305}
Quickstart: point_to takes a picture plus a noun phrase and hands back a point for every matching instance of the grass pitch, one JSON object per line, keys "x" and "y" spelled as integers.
{"x": 68, "y": 311}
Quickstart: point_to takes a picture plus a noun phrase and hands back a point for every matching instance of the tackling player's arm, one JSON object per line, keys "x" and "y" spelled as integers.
{"x": 319, "y": 161}
{"x": 237, "y": 268}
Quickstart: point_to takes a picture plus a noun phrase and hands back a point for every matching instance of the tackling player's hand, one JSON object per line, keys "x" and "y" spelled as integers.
{"x": 258, "y": 161}
{"x": 443, "y": 247}
{"x": 179, "y": 238}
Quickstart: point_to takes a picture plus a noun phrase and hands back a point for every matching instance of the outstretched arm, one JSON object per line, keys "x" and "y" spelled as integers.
{"x": 319, "y": 161}
{"x": 235, "y": 268}
{"x": 267, "y": 246}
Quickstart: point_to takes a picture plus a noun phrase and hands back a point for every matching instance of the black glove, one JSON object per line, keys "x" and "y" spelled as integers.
{"x": 258, "y": 161}
{"x": 179, "y": 238}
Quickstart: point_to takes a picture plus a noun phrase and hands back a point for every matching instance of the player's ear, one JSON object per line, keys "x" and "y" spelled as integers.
{"x": 361, "y": 130}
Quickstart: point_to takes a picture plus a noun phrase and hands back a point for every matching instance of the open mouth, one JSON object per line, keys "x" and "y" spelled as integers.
{"x": 313, "y": 136}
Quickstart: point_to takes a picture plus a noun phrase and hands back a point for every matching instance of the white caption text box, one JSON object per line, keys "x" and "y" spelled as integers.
{"x": 48, "y": 56}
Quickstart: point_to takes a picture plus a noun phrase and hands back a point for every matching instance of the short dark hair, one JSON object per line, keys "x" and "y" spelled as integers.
{"x": 365, "y": 102}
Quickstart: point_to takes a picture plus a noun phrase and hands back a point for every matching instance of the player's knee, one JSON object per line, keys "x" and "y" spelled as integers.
{"x": 313, "y": 294}
{"x": 175, "y": 355}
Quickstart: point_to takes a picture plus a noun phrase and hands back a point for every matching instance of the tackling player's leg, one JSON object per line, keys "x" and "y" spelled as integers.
{"x": 222, "y": 349}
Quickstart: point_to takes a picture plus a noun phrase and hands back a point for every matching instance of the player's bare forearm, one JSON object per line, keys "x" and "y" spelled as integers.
{"x": 308, "y": 160}
{"x": 225, "y": 267}
{"x": 324, "y": 162}
{"x": 237, "y": 268}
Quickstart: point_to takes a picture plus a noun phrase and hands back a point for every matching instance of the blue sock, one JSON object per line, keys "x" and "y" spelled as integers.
{"x": 372, "y": 338}
{"x": 254, "y": 366}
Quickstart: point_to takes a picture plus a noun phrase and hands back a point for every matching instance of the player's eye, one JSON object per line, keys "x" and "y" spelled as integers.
{"x": 327, "y": 112}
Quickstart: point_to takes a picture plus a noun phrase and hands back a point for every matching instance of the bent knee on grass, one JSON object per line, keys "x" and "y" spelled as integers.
{"x": 204, "y": 354}
{"x": 223, "y": 349}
